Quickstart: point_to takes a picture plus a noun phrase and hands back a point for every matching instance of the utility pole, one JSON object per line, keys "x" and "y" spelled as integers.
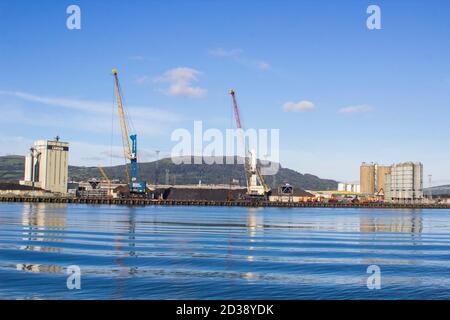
{"x": 157, "y": 168}
{"x": 430, "y": 192}
{"x": 32, "y": 167}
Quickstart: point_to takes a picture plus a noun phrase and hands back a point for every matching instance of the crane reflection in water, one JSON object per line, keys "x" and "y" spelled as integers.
{"x": 125, "y": 247}
{"x": 255, "y": 224}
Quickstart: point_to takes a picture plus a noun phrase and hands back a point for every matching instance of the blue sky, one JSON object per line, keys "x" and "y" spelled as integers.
{"x": 375, "y": 95}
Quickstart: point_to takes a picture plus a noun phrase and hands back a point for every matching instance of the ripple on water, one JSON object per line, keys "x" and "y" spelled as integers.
{"x": 222, "y": 253}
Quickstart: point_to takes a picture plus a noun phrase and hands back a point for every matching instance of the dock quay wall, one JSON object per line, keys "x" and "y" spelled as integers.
{"x": 239, "y": 203}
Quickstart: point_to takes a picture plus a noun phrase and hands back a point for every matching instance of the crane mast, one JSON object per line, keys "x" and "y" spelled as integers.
{"x": 129, "y": 143}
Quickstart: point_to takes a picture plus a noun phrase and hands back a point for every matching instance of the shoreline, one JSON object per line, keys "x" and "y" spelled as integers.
{"x": 203, "y": 203}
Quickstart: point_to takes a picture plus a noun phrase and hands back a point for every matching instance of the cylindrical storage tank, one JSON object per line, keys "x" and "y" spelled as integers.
{"x": 367, "y": 178}
{"x": 28, "y": 168}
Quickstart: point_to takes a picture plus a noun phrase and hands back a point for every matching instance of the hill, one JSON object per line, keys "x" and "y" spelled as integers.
{"x": 165, "y": 171}
{"x": 11, "y": 168}
{"x": 438, "y": 191}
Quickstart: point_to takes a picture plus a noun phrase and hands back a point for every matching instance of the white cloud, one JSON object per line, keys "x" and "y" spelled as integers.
{"x": 184, "y": 90}
{"x": 141, "y": 58}
{"x": 237, "y": 55}
{"x": 91, "y": 154}
{"x": 298, "y": 106}
{"x": 356, "y": 109}
{"x": 81, "y": 153}
{"x": 82, "y": 105}
{"x": 220, "y": 52}
{"x": 180, "y": 82}
{"x": 263, "y": 65}
{"x": 142, "y": 79}
{"x": 16, "y": 145}
{"x": 95, "y": 116}
{"x": 137, "y": 58}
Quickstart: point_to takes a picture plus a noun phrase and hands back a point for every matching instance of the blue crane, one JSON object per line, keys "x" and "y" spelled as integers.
{"x": 129, "y": 144}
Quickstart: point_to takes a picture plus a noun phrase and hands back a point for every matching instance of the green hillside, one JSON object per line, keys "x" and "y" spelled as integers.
{"x": 11, "y": 168}
{"x": 162, "y": 171}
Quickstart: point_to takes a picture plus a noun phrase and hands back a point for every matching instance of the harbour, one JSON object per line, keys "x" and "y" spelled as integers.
{"x": 187, "y": 202}
{"x": 188, "y": 252}
{"x": 248, "y": 155}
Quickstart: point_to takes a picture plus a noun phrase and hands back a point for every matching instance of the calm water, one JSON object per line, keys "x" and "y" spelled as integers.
{"x": 222, "y": 253}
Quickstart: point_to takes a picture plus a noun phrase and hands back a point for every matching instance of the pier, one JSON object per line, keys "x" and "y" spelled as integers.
{"x": 238, "y": 203}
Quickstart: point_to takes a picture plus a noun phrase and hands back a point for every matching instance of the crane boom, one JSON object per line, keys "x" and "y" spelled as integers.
{"x": 105, "y": 176}
{"x": 122, "y": 120}
{"x": 237, "y": 118}
{"x": 102, "y": 171}
{"x": 236, "y": 110}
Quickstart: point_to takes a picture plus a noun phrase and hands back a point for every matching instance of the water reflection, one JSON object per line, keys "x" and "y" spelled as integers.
{"x": 255, "y": 222}
{"x": 125, "y": 247}
{"x": 412, "y": 223}
{"x": 40, "y": 224}
{"x": 396, "y": 224}
{"x": 36, "y": 268}
{"x": 222, "y": 253}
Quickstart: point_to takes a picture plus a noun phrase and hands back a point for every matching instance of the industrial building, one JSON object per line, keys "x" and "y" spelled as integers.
{"x": 8, "y": 189}
{"x": 372, "y": 178}
{"x": 404, "y": 183}
{"x": 380, "y": 178}
{"x": 367, "y": 178}
{"x": 47, "y": 166}
{"x": 287, "y": 193}
{"x": 349, "y": 187}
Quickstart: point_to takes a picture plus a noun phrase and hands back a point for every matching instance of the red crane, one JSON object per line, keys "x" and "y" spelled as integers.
{"x": 252, "y": 173}
{"x": 236, "y": 110}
